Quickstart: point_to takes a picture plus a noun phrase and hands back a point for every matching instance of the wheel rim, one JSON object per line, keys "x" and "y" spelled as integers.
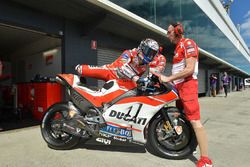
{"x": 175, "y": 142}
{"x": 53, "y": 126}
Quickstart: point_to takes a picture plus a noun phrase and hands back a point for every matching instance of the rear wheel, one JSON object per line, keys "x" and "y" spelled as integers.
{"x": 161, "y": 143}
{"x": 50, "y": 128}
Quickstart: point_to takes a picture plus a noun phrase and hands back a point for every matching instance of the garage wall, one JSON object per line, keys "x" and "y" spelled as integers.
{"x": 106, "y": 56}
{"x": 230, "y": 86}
{"x": 76, "y": 47}
{"x": 21, "y": 59}
{"x": 202, "y": 80}
{"x": 24, "y": 68}
{"x": 37, "y": 64}
{"x": 6, "y": 70}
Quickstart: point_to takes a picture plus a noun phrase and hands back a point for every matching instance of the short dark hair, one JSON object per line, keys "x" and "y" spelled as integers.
{"x": 174, "y": 24}
{"x": 178, "y": 28}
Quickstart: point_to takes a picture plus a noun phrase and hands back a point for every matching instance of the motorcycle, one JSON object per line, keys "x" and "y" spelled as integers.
{"x": 140, "y": 114}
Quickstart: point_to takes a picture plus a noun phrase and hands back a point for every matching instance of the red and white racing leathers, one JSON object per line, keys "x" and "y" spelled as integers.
{"x": 187, "y": 87}
{"x": 159, "y": 63}
{"x": 122, "y": 69}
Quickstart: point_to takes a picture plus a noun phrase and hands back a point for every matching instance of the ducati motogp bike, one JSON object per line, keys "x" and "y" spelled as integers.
{"x": 141, "y": 114}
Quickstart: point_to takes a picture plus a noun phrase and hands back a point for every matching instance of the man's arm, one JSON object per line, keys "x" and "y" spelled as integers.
{"x": 125, "y": 70}
{"x": 158, "y": 64}
{"x": 188, "y": 70}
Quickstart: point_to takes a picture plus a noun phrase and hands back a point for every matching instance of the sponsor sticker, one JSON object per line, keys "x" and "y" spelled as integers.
{"x": 119, "y": 139}
{"x": 40, "y": 109}
{"x": 191, "y": 50}
{"x": 104, "y": 141}
{"x": 114, "y": 130}
{"x": 190, "y": 46}
{"x": 125, "y": 58}
{"x": 178, "y": 129}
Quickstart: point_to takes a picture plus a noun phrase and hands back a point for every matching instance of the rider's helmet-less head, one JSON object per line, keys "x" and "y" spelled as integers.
{"x": 149, "y": 49}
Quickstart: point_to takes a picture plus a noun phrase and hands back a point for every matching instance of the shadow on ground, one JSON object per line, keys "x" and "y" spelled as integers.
{"x": 11, "y": 119}
{"x": 116, "y": 146}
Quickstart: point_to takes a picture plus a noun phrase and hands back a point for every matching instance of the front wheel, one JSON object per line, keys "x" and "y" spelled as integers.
{"x": 171, "y": 146}
{"x": 54, "y": 137}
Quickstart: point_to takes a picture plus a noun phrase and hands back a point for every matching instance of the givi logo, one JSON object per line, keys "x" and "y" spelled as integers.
{"x": 104, "y": 141}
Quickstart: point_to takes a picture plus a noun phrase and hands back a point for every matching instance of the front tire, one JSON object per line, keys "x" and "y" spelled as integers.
{"x": 57, "y": 139}
{"x": 174, "y": 147}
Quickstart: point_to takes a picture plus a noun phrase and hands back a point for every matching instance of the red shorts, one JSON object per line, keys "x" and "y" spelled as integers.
{"x": 188, "y": 92}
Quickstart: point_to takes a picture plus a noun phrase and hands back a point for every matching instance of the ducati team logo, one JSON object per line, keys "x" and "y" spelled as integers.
{"x": 129, "y": 116}
{"x": 176, "y": 55}
{"x": 125, "y": 58}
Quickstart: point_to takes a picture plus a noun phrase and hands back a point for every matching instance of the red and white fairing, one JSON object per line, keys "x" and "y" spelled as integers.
{"x": 131, "y": 113}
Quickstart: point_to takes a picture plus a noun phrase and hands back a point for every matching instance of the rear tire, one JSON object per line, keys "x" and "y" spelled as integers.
{"x": 64, "y": 141}
{"x": 179, "y": 147}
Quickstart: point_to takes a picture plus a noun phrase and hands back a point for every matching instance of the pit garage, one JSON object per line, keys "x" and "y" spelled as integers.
{"x": 30, "y": 59}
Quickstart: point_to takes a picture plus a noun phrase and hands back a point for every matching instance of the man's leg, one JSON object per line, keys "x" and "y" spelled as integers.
{"x": 210, "y": 92}
{"x": 225, "y": 90}
{"x": 189, "y": 98}
{"x": 98, "y": 72}
{"x": 201, "y": 137}
{"x": 214, "y": 90}
{"x": 192, "y": 111}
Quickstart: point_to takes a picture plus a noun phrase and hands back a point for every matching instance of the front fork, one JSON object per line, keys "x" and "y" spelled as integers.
{"x": 170, "y": 116}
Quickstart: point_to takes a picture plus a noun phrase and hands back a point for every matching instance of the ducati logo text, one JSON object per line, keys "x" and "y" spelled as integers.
{"x": 127, "y": 117}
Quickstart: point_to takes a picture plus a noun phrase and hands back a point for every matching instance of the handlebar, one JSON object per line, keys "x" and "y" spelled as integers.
{"x": 154, "y": 85}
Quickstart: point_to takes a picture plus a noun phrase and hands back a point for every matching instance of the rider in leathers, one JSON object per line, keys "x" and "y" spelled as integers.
{"x": 159, "y": 62}
{"x": 130, "y": 66}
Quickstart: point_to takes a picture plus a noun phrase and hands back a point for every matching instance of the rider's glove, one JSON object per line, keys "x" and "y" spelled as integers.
{"x": 78, "y": 68}
{"x": 143, "y": 82}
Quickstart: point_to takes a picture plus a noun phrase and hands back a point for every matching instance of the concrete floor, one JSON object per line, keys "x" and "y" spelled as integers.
{"x": 226, "y": 121}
